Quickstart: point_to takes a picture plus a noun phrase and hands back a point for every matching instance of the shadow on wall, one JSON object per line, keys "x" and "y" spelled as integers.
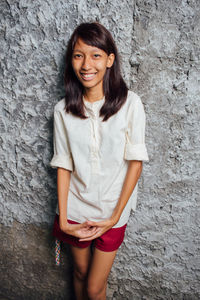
{"x": 31, "y": 272}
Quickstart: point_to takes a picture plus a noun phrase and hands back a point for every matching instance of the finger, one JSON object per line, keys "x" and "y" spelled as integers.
{"x": 87, "y": 233}
{"x": 79, "y": 232}
{"x": 88, "y": 229}
{"x": 87, "y": 224}
{"x": 84, "y": 227}
{"x": 96, "y": 235}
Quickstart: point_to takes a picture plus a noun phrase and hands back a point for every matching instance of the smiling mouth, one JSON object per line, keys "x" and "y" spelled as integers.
{"x": 88, "y": 76}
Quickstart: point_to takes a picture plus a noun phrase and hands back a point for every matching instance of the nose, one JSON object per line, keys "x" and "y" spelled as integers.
{"x": 86, "y": 63}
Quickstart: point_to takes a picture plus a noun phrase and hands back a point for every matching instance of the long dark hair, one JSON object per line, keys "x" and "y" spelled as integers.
{"x": 114, "y": 87}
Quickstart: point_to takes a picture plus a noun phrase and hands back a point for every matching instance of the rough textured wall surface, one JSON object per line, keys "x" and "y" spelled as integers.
{"x": 159, "y": 45}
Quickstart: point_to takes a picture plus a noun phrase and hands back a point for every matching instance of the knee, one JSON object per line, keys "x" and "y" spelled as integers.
{"x": 95, "y": 291}
{"x": 80, "y": 272}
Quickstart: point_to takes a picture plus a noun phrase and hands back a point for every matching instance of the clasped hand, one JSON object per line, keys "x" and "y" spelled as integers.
{"x": 88, "y": 230}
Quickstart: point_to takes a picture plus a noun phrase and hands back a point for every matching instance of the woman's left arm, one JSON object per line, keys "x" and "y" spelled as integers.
{"x": 133, "y": 174}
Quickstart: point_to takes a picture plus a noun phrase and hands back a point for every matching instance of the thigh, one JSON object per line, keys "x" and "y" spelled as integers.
{"x": 101, "y": 264}
{"x": 81, "y": 258}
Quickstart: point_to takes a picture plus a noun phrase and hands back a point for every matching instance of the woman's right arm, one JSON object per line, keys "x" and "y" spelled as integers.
{"x": 63, "y": 181}
{"x": 78, "y": 230}
{"x": 62, "y": 160}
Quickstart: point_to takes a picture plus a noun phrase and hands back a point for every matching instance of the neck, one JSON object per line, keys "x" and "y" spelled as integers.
{"x": 92, "y": 96}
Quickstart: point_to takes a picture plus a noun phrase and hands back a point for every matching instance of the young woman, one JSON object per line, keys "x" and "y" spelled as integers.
{"x": 99, "y": 146}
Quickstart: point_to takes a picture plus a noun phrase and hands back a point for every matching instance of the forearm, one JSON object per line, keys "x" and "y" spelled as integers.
{"x": 63, "y": 181}
{"x": 132, "y": 176}
{"x": 78, "y": 230}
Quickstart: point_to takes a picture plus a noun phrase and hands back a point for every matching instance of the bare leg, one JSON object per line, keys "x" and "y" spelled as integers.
{"x": 101, "y": 265}
{"x": 81, "y": 258}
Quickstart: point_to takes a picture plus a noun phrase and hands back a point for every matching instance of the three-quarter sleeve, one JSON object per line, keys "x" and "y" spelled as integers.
{"x": 62, "y": 156}
{"x": 135, "y": 148}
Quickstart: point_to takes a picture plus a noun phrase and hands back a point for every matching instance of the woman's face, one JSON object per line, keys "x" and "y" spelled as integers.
{"x": 89, "y": 64}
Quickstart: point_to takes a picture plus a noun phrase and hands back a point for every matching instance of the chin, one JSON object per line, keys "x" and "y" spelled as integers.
{"x": 89, "y": 84}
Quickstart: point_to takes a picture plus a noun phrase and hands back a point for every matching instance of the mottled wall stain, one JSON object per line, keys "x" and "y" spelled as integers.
{"x": 159, "y": 46}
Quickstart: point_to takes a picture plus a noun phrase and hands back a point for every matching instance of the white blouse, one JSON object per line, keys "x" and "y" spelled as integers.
{"x": 97, "y": 153}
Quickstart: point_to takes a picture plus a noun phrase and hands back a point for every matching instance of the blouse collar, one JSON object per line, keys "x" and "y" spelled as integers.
{"x": 93, "y": 107}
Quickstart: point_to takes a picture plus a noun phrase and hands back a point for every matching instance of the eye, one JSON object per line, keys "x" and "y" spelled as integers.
{"x": 77, "y": 55}
{"x": 96, "y": 55}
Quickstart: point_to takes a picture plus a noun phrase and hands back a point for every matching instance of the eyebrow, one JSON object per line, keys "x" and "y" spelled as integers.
{"x": 78, "y": 50}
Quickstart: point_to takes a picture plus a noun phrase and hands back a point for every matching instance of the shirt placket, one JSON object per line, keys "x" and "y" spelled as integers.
{"x": 95, "y": 163}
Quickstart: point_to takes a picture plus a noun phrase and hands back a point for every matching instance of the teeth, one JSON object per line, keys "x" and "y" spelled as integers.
{"x": 87, "y": 75}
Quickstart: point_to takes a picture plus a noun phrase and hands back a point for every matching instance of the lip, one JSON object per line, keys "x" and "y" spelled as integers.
{"x": 88, "y": 76}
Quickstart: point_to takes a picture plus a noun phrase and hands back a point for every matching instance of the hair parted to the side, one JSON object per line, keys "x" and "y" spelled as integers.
{"x": 115, "y": 89}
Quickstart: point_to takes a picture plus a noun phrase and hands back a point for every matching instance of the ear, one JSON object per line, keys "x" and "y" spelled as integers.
{"x": 110, "y": 60}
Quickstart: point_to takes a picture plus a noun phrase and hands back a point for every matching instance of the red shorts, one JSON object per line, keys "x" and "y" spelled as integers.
{"x": 109, "y": 241}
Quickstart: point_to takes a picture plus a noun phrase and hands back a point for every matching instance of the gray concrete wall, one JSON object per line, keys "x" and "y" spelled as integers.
{"x": 159, "y": 45}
